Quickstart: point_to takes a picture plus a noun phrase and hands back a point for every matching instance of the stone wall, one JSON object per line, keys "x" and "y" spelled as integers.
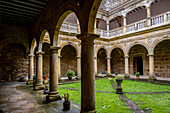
{"x": 46, "y": 59}
{"x": 139, "y": 51}
{"x": 68, "y": 59}
{"x": 13, "y": 61}
{"x": 101, "y": 61}
{"x": 117, "y": 61}
{"x": 162, "y": 59}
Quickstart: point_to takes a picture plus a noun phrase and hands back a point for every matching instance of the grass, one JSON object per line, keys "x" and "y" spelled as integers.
{"x": 155, "y": 103}
{"x": 134, "y": 86}
{"x": 105, "y": 102}
{"x": 100, "y": 84}
{"x": 110, "y": 102}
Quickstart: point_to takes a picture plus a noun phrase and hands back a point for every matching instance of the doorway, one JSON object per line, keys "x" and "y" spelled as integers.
{"x": 138, "y": 65}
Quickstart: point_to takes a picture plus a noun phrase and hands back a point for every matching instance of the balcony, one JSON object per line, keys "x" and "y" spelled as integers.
{"x": 149, "y": 23}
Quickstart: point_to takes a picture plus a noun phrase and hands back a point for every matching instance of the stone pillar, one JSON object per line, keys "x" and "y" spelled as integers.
{"x": 39, "y": 73}
{"x": 148, "y": 9}
{"x": 95, "y": 65}
{"x": 95, "y": 24}
{"x": 108, "y": 65}
{"x": 151, "y": 67}
{"x": 53, "y": 94}
{"x": 59, "y": 67}
{"x": 126, "y": 66}
{"x": 78, "y": 66}
{"x": 87, "y": 72}
{"x": 107, "y": 24}
{"x": 124, "y": 24}
{"x": 31, "y": 69}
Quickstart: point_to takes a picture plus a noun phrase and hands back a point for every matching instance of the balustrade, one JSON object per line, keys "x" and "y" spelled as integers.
{"x": 139, "y": 25}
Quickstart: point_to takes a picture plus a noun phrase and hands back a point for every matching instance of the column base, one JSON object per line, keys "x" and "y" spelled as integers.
{"x": 53, "y": 96}
{"x": 39, "y": 87}
{"x": 30, "y": 82}
{"x": 127, "y": 76}
{"x": 93, "y": 111}
{"x": 152, "y": 78}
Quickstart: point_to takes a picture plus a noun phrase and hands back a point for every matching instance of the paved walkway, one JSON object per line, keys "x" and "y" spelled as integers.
{"x": 16, "y": 97}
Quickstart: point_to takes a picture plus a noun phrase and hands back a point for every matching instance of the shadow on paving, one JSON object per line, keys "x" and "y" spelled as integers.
{"x": 18, "y": 98}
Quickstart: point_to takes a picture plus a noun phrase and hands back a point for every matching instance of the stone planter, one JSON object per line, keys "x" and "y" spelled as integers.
{"x": 70, "y": 78}
{"x": 119, "y": 88}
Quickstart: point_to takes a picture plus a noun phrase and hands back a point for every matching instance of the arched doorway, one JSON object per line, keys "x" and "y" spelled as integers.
{"x": 68, "y": 60}
{"x": 102, "y": 61}
{"x": 117, "y": 61}
{"x": 139, "y": 61}
{"x": 13, "y": 62}
{"x": 162, "y": 59}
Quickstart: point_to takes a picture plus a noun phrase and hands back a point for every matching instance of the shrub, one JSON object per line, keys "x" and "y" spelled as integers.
{"x": 70, "y": 73}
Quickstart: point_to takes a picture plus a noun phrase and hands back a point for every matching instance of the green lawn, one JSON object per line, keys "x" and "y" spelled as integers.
{"x": 100, "y": 84}
{"x": 134, "y": 86}
{"x": 105, "y": 102}
{"x": 157, "y": 103}
{"x": 110, "y": 102}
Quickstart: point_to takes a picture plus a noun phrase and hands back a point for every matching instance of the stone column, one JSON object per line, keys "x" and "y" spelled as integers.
{"x": 59, "y": 67}
{"x": 53, "y": 94}
{"x": 108, "y": 65}
{"x": 95, "y": 65}
{"x": 31, "y": 69}
{"x": 124, "y": 24}
{"x": 78, "y": 66}
{"x": 151, "y": 67}
{"x": 148, "y": 9}
{"x": 126, "y": 66}
{"x": 87, "y": 72}
{"x": 107, "y": 24}
{"x": 39, "y": 73}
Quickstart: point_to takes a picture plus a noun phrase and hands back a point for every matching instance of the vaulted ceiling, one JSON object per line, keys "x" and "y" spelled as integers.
{"x": 21, "y": 12}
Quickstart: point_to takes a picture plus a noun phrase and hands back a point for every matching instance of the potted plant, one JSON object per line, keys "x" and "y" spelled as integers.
{"x": 137, "y": 75}
{"x": 45, "y": 79}
{"x": 103, "y": 71}
{"x": 116, "y": 73}
{"x": 70, "y": 74}
{"x": 119, "y": 80}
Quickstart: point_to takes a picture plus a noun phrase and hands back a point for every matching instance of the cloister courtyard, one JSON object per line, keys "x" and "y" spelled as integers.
{"x": 139, "y": 96}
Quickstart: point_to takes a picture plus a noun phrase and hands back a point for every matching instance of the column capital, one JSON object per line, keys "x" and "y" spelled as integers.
{"x": 150, "y": 54}
{"x": 108, "y": 57}
{"x": 95, "y": 57}
{"x": 126, "y": 56}
{"x": 31, "y": 55}
{"x": 40, "y": 52}
{"x": 54, "y": 49}
{"x": 78, "y": 57}
{"x": 124, "y": 16}
{"x": 87, "y": 37}
{"x": 59, "y": 56}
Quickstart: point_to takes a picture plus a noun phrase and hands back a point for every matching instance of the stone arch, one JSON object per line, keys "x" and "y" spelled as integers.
{"x": 101, "y": 47}
{"x": 92, "y": 15}
{"x": 33, "y": 46}
{"x": 162, "y": 58}
{"x": 156, "y": 42}
{"x": 63, "y": 14}
{"x": 117, "y": 60}
{"x": 14, "y": 63}
{"x": 102, "y": 61}
{"x": 41, "y": 40}
{"x": 114, "y": 47}
{"x": 138, "y": 59}
{"x": 68, "y": 59}
{"x": 138, "y": 43}
{"x": 4, "y": 42}
{"x": 72, "y": 44}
